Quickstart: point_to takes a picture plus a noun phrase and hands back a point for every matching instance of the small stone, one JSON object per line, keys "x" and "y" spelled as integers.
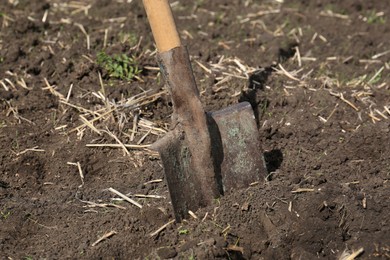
{"x": 166, "y": 252}
{"x": 245, "y": 206}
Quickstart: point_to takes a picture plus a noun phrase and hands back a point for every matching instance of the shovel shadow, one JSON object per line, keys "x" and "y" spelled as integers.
{"x": 256, "y": 83}
{"x": 273, "y": 161}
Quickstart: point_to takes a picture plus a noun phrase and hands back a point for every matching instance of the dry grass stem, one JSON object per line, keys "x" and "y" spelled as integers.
{"x": 80, "y": 172}
{"x": 23, "y": 84}
{"x": 351, "y": 256}
{"x": 153, "y": 181}
{"x": 373, "y": 117}
{"x": 93, "y": 120}
{"x": 69, "y": 93}
{"x": 10, "y": 83}
{"x": 143, "y": 196}
{"x": 341, "y": 96}
{"x": 117, "y": 140}
{"x": 301, "y": 190}
{"x": 298, "y": 56}
{"x": 205, "y": 217}
{"x": 330, "y": 13}
{"x": 102, "y": 205}
{"x": 381, "y": 114}
{"x": 82, "y": 29}
{"x": 286, "y": 73}
{"x": 131, "y": 146}
{"x": 134, "y": 130}
{"x": 34, "y": 149}
{"x": 90, "y": 125}
{"x": 192, "y": 214}
{"x": 161, "y": 228}
{"x": 123, "y": 196}
{"x": 52, "y": 89}
{"x": 203, "y": 67}
{"x": 105, "y": 236}
{"x": 387, "y": 109}
{"x": 81, "y": 109}
{"x": 376, "y": 56}
{"x": 4, "y": 86}
{"x": 151, "y": 126}
{"x": 143, "y": 137}
{"x": 376, "y": 75}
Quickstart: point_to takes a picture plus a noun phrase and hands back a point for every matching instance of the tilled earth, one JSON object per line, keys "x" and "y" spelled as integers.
{"x": 315, "y": 72}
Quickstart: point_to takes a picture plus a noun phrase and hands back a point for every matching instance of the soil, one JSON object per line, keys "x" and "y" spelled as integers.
{"x": 315, "y": 72}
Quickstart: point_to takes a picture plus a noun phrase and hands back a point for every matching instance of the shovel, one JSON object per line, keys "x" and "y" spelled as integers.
{"x": 204, "y": 155}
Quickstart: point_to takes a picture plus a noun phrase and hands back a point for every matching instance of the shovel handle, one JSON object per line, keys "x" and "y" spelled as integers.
{"x": 163, "y": 24}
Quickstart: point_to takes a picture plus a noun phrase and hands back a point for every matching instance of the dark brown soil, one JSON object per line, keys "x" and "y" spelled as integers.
{"x": 324, "y": 124}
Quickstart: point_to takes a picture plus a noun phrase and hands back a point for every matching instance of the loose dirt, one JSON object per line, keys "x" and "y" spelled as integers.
{"x": 316, "y": 73}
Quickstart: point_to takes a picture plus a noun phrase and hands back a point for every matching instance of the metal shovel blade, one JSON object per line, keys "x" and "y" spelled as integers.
{"x": 236, "y": 153}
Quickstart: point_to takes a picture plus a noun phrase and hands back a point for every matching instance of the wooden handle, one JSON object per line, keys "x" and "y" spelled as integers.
{"x": 162, "y": 23}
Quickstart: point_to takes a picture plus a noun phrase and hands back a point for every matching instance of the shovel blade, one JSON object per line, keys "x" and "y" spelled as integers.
{"x": 236, "y": 146}
{"x": 237, "y": 156}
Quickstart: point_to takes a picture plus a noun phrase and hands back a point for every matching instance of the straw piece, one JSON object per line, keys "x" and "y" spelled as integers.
{"x": 288, "y": 74}
{"x": 132, "y": 146}
{"x": 300, "y": 190}
{"x": 352, "y": 256}
{"x": 203, "y": 67}
{"x": 34, "y": 149}
{"x": 153, "y": 181}
{"x": 105, "y": 236}
{"x": 92, "y": 204}
{"x": 192, "y": 214}
{"x": 80, "y": 171}
{"x": 90, "y": 125}
{"x": 123, "y": 196}
{"x": 119, "y": 141}
{"x": 161, "y": 228}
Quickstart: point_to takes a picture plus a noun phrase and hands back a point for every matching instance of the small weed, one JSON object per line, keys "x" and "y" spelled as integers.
{"x": 376, "y": 77}
{"x": 28, "y": 258}
{"x": 119, "y": 66}
{"x": 5, "y": 214}
{"x": 183, "y": 231}
{"x": 131, "y": 38}
{"x": 374, "y": 17}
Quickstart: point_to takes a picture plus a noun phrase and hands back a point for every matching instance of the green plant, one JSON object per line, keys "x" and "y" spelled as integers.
{"x": 119, "y": 66}
{"x": 5, "y": 214}
{"x": 376, "y": 77}
{"x": 131, "y": 38}
{"x": 375, "y": 18}
{"x": 183, "y": 231}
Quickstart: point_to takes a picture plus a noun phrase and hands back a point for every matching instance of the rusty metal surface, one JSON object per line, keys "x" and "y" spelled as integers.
{"x": 241, "y": 159}
{"x": 180, "y": 175}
